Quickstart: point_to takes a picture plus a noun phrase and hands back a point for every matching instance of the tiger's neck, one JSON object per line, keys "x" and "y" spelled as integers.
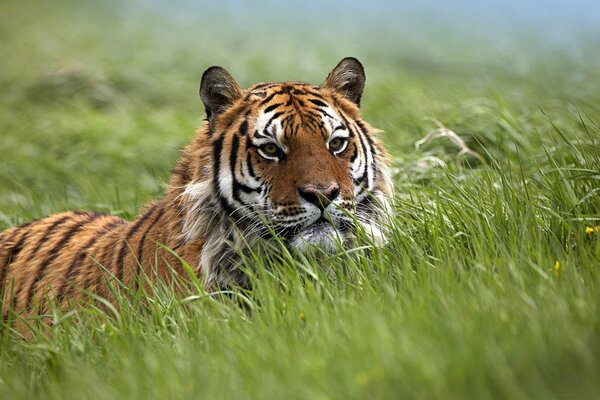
{"x": 188, "y": 223}
{"x": 189, "y": 220}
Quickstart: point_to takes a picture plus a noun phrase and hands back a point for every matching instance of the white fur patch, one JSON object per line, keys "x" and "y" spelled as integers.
{"x": 275, "y": 130}
{"x": 326, "y": 237}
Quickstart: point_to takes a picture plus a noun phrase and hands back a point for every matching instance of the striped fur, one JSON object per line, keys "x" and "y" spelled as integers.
{"x": 291, "y": 158}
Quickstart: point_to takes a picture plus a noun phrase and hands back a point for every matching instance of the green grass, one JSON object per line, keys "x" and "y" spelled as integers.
{"x": 466, "y": 301}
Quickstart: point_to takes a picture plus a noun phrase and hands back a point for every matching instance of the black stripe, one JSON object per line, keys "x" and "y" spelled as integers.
{"x": 261, "y": 135}
{"x": 285, "y": 90}
{"x": 366, "y": 160}
{"x": 267, "y": 99}
{"x": 54, "y": 253}
{"x": 245, "y": 188}
{"x": 318, "y": 102}
{"x": 275, "y": 116}
{"x": 49, "y": 233}
{"x": 362, "y": 127}
{"x": 367, "y": 134}
{"x": 310, "y": 90}
{"x": 316, "y": 113}
{"x": 369, "y": 138}
{"x": 272, "y": 107}
{"x": 217, "y": 148}
{"x": 125, "y": 242}
{"x": 235, "y": 146}
{"x": 146, "y": 231}
{"x": 348, "y": 126}
{"x": 354, "y": 154}
{"x": 244, "y": 128}
{"x": 325, "y": 113}
{"x": 12, "y": 256}
{"x": 249, "y": 165}
{"x": 372, "y": 148}
{"x": 373, "y": 154}
{"x": 82, "y": 254}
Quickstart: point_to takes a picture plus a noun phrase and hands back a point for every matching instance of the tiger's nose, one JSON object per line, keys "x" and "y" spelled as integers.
{"x": 320, "y": 195}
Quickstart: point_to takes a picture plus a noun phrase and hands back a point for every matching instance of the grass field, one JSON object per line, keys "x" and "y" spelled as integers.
{"x": 489, "y": 287}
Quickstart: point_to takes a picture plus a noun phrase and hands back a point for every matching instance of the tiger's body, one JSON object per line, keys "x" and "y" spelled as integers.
{"x": 290, "y": 158}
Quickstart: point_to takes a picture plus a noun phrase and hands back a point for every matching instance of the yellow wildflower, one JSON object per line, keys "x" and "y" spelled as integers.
{"x": 591, "y": 229}
{"x": 557, "y": 268}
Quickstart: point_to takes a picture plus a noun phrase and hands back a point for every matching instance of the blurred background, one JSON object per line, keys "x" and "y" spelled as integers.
{"x": 99, "y": 96}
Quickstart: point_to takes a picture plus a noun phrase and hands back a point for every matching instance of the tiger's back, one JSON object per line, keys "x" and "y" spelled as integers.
{"x": 55, "y": 260}
{"x": 59, "y": 253}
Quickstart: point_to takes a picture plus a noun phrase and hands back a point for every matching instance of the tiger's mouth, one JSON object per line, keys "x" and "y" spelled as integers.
{"x": 325, "y": 234}
{"x": 327, "y": 231}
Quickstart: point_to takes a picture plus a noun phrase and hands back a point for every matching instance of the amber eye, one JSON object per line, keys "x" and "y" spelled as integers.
{"x": 337, "y": 144}
{"x": 270, "y": 150}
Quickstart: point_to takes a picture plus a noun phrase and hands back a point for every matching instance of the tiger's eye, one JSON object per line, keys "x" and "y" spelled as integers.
{"x": 270, "y": 149}
{"x": 336, "y": 144}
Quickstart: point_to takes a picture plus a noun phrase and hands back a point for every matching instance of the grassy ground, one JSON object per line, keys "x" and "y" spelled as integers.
{"x": 488, "y": 289}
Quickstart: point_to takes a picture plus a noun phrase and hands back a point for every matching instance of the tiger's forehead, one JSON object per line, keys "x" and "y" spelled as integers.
{"x": 282, "y": 110}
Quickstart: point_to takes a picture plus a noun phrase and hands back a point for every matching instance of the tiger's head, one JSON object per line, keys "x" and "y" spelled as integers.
{"x": 291, "y": 158}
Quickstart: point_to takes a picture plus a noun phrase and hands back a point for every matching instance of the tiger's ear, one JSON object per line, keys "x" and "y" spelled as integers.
{"x": 218, "y": 90}
{"x": 347, "y": 78}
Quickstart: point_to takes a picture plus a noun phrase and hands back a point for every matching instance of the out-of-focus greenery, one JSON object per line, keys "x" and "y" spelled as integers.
{"x": 488, "y": 288}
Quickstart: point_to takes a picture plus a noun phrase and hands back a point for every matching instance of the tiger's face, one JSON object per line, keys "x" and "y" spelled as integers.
{"x": 296, "y": 159}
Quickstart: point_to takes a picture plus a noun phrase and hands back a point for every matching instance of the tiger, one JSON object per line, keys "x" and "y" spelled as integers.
{"x": 290, "y": 160}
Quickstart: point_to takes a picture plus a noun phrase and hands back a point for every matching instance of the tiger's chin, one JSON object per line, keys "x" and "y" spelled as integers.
{"x": 318, "y": 237}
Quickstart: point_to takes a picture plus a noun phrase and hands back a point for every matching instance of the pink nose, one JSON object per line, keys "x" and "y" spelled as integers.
{"x": 320, "y": 195}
